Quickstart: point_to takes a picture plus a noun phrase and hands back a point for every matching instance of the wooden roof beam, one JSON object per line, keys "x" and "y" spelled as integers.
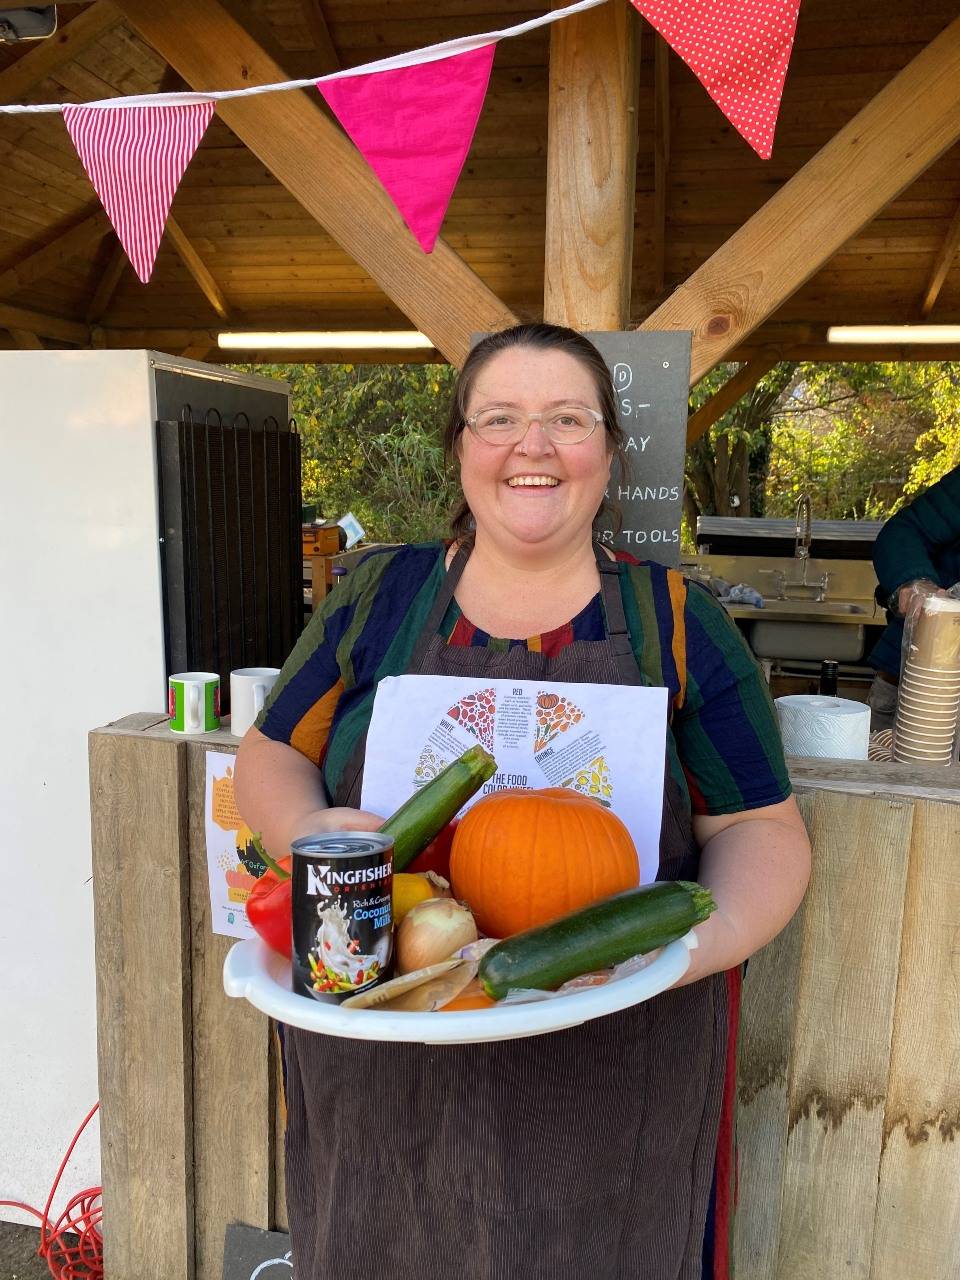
{"x": 327, "y": 57}
{"x": 591, "y": 168}
{"x": 64, "y": 248}
{"x": 661, "y": 160}
{"x": 107, "y": 285}
{"x": 43, "y": 325}
{"x": 899, "y": 134}
{"x": 25, "y": 340}
{"x": 17, "y": 80}
{"x": 198, "y": 269}
{"x": 941, "y": 267}
{"x": 317, "y": 164}
{"x": 723, "y": 399}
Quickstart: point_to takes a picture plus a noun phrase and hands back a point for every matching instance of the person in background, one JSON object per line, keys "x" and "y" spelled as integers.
{"x": 916, "y": 554}
{"x": 589, "y": 1152}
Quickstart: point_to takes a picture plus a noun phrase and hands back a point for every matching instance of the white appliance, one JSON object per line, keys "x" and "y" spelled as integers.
{"x": 81, "y": 644}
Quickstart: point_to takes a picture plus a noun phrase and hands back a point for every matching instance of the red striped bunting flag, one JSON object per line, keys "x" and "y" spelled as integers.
{"x": 135, "y": 158}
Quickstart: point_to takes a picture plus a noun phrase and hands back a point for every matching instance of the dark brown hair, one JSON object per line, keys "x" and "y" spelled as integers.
{"x": 541, "y": 337}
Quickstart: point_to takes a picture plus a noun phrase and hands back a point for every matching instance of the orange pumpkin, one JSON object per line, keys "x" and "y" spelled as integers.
{"x": 523, "y": 858}
{"x": 472, "y": 996}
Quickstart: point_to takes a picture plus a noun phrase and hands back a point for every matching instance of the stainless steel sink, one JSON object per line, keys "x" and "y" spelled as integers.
{"x": 814, "y": 608}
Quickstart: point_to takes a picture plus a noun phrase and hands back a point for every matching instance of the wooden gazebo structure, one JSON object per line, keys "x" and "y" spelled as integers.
{"x": 604, "y": 189}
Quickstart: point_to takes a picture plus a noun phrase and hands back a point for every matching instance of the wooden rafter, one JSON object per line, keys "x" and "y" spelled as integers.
{"x": 43, "y": 325}
{"x": 899, "y": 134}
{"x": 439, "y": 293}
{"x": 25, "y": 340}
{"x": 941, "y": 267}
{"x": 18, "y": 79}
{"x": 327, "y": 57}
{"x": 661, "y": 159}
{"x": 198, "y": 269}
{"x": 64, "y": 248}
{"x": 723, "y": 400}
{"x": 591, "y": 168}
{"x": 107, "y": 285}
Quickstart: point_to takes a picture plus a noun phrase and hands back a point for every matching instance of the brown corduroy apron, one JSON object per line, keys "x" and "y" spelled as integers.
{"x": 585, "y": 1153}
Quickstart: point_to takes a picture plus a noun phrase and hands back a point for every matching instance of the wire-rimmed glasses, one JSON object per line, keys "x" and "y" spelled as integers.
{"x": 562, "y": 424}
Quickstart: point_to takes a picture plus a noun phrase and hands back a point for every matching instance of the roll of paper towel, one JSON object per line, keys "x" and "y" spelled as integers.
{"x": 814, "y": 725}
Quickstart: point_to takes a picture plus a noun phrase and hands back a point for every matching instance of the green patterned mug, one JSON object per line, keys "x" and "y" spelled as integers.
{"x": 193, "y": 702}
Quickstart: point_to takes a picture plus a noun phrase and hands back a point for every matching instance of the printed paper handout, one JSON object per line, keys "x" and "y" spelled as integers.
{"x": 233, "y": 865}
{"x": 604, "y": 741}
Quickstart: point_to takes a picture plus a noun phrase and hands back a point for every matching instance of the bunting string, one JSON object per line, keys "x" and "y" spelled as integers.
{"x": 430, "y": 53}
{"x": 412, "y": 116}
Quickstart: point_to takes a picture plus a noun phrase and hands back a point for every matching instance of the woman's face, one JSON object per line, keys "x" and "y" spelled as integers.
{"x": 572, "y": 477}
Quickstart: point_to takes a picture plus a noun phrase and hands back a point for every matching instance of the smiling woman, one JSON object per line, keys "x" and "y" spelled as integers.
{"x": 590, "y": 1151}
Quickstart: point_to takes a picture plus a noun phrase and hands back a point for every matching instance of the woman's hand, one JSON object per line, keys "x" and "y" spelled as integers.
{"x": 757, "y": 865}
{"x": 318, "y": 821}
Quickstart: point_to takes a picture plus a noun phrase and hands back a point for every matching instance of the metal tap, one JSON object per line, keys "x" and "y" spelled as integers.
{"x": 801, "y": 548}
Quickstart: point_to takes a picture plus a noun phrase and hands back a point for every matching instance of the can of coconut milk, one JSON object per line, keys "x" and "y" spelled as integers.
{"x": 342, "y": 883}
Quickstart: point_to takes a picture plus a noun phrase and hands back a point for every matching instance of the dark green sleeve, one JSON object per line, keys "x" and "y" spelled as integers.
{"x": 907, "y": 545}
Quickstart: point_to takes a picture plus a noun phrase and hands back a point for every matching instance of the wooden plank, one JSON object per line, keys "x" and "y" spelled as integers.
{"x": 64, "y": 248}
{"x": 438, "y": 292}
{"x": 907, "y": 126}
{"x": 107, "y": 284}
{"x": 941, "y": 267}
{"x": 763, "y": 1062}
{"x": 843, "y": 1025}
{"x": 26, "y": 340}
{"x": 591, "y": 168}
{"x": 45, "y": 325}
{"x": 198, "y": 269}
{"x": 138, "y": 804}
{"x": 661, "y": 159}
{"x": 722, "y": 400}
{"x": 233, "y": 1098}
{"x": 918, "y": 1211}
{"x": 50, "y": 54}
{"x": 313, "y": 16}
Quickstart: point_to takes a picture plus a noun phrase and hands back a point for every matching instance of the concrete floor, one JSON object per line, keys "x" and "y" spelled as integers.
{"x": 18, "y": 1253}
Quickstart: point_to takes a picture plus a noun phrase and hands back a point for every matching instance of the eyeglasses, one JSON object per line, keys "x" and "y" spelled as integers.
{"x": 563, "y": 424}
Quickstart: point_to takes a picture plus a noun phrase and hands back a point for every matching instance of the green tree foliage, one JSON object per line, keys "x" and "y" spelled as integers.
{"x": 372, "y": 444}
{"x": 861, "y": 439}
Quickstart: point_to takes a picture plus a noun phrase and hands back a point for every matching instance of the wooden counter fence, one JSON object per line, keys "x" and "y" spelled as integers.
{"x": 849, "y": 1061}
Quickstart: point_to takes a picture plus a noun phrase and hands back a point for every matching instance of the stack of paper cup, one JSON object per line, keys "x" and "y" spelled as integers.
{"x": 928, "y": 705}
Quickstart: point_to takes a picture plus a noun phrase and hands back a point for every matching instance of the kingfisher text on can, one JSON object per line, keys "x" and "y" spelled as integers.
{"x": 342, "y": 912}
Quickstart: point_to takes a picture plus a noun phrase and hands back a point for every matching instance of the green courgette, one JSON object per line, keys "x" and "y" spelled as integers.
{"x": 429, "y": 810}
{"x": 599, "y": 936}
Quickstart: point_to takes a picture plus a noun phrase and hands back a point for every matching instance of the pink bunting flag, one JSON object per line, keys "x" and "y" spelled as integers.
{"x": 739, "y": 50}
{"x": 135, "y": 158}
{"x": 414, "y": 126}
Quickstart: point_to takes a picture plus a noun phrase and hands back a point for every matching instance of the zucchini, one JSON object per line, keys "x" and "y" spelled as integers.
{"x": 599, "y": 936}
{"x": 429, "y": 810}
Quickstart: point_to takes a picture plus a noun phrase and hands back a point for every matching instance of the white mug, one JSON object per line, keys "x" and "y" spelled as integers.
{"x": 249, "y": 687}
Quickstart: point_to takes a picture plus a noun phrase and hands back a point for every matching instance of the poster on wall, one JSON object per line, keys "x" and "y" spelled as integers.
{"x": 233, "y": 864}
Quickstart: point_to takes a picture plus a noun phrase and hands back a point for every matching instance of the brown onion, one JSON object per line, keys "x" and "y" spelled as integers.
{"x": 432, "y": 931}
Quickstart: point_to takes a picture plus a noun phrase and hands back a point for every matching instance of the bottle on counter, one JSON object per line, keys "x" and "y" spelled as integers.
{"x": 829, "y": 671}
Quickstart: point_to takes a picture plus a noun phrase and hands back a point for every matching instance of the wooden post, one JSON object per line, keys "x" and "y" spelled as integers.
{"x": 661, "y": 159}
{"x": 591, "y": 168}
{"x": 899, "y": 134}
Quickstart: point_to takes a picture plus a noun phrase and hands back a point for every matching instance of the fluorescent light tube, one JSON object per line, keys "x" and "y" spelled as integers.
{"x": 306, "y": 340}
{"x": 897, "y": 334}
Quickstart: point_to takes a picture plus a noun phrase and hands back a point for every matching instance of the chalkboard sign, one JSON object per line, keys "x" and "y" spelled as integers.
{"x": 651, "y": 375}
{"x": 252, "y": 1254}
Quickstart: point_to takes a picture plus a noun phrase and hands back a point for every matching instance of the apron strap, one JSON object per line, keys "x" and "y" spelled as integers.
{"x": 440, "y": 605}
{"x": 618, "y": 633}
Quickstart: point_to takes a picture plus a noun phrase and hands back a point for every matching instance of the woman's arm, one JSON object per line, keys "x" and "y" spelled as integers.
{"x": 757, "y": 865}
{"x": 280, "y": 794}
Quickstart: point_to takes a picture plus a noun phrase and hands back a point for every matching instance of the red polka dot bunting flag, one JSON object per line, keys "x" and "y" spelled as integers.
{"x": 739, "y": 50}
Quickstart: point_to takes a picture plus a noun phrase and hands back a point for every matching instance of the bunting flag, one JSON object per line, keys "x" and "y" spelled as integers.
{"x": 135, "y": 158}
{"x": 739, "y": 50}
{"x": 414, "y": 126}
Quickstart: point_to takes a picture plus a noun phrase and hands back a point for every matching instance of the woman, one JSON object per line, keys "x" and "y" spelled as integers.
{"x": 589, "y": 1151}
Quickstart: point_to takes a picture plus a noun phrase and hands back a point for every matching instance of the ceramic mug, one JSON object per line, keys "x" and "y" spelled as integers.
{"x": 249, "y": 687}
{"x": 193, "y": 702}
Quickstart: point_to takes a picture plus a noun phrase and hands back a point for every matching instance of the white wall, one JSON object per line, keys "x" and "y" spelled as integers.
{"x": 81, "y": 643}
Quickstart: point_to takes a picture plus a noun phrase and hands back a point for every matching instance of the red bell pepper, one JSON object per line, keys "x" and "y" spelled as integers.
{"x": 436, "y": 856}
{"x": 268, "y": 907}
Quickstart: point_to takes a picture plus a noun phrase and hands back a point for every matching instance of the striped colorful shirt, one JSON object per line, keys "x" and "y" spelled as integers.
{"x": 723, "y": 742}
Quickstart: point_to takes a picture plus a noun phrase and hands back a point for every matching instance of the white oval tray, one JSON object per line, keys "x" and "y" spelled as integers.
{"x": 253, "y": 972}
